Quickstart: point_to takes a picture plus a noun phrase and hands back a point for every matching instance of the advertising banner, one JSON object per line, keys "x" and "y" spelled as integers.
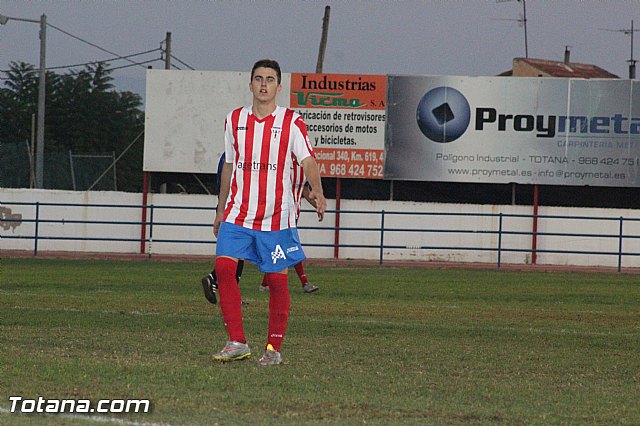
{"x": 184, "y": 118}
{"x": 523, "y": 130}
{"x": 185, "y": 112}
{"x": 345, "y": 116}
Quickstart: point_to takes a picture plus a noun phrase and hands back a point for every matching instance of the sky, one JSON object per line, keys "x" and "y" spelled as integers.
{"x": 428, "y": 37}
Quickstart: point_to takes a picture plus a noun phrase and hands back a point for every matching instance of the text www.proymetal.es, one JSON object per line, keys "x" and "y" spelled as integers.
{"x": 78, "y": 406}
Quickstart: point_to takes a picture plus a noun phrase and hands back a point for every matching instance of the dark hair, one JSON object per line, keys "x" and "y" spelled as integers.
{"x": 267, "y": 63}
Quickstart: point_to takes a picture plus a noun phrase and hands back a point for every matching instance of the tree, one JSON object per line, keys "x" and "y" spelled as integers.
{"x": 18, "y": 101}
{"x": 84, "y": 114}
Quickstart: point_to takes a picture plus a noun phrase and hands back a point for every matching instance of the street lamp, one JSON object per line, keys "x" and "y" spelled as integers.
{"x": 41, "y": 92}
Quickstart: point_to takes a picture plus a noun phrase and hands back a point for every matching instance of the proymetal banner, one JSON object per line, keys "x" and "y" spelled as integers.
{"x": 525, "y": 130}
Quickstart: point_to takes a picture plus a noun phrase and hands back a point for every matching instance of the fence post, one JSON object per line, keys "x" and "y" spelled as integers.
{"x": 150, "y": 229}
{"x": 381, "y": 236}
{"x": 620, "y": 246}
{"x": 499, "y": 240}
{"x": 145, "y": 195}
{"x": 35, "y": 243}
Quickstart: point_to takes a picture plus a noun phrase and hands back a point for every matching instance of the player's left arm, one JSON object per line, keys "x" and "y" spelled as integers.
{"x": 304, "y": 153}
{"x": 316, "y": 194}
{"x": 305, "y": 194}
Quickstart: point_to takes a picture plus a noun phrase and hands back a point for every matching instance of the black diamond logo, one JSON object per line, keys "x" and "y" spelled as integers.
{"x": 443, "y": 114}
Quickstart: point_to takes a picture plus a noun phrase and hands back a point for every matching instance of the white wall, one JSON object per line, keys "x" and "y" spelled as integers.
{"x": 67, "y": 214}
{"x": 419, "y": 237}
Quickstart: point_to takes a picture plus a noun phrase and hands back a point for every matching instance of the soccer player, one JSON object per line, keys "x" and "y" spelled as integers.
{"x": 256, "y": 215}
{"x": 300, "y": 190}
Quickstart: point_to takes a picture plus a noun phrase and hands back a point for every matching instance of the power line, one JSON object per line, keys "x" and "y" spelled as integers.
{"x": 137, "y": 63}
{"x": 109, "y": 60}
{"x": 92, "y": 44}
{"x": 116, "y": 56}
{"x": 105, "y": 60}
{"x": 185, "y": 64}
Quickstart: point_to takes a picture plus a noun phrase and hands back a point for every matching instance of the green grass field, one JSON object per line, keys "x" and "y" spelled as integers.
{"x": 373, "y": 346}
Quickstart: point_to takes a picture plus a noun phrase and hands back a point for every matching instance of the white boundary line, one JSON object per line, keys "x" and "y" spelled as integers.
{"x": 96, "y": 419}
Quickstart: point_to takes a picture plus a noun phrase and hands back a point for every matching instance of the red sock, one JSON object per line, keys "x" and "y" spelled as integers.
{"x": 230, "y": 299}
{"x": 264, "y": 283}
{"x": 279, "y": 303}
{"x": 300, "y": 271}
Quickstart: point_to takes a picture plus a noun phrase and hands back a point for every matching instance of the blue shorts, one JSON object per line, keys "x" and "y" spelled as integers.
{"x": 272, "y": 251}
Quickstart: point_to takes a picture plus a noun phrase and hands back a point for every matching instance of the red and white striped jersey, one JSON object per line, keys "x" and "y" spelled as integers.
{"x": 262, "y": 152}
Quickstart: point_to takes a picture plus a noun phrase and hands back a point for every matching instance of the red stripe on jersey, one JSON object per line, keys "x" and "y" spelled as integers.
{"x": 246, "y": 170}
{"x": 263, "y": 173}
{"x": 235, "y": 119}
{"x": 282, "y": 157}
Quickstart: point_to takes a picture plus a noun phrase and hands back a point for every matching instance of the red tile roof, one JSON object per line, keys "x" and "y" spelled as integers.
{"x": 572, "y": 69}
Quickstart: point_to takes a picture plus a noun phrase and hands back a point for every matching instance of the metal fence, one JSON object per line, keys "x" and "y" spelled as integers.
{"x": 383, "y": 232}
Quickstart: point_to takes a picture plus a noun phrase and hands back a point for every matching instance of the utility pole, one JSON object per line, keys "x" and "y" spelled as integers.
{"x": 167, "y": 66}
{"x": 319, "y": 65}
{"x": 41, "y": 92}
{"x": 167, "y": 52}
{"x": 323, "y": 40}
{"x": 632, "y": 62}
{"x": 524, "y": 23}
{"x": 41, "y": 95}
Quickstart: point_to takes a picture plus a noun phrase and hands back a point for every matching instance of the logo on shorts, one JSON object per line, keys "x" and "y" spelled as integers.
{"x": 278, "y": 253}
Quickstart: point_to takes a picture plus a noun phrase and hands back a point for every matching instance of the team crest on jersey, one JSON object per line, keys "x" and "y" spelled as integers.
{"x": 275, "y": 132}
{"x": 278, "y": 253}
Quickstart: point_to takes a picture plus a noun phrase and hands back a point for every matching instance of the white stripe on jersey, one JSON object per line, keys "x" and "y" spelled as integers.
{"x": 262, "y": 154}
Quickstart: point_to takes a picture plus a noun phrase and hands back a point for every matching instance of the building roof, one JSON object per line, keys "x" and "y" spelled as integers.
{"x": 547, "y": 68}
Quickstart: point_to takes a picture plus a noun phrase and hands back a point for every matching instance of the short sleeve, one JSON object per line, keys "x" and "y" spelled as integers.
{"x": 301, "y": 145}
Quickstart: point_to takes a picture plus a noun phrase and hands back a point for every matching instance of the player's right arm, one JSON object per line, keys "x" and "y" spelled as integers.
{"x": 225, "y": 184}
{"x": 225, "y": 174}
